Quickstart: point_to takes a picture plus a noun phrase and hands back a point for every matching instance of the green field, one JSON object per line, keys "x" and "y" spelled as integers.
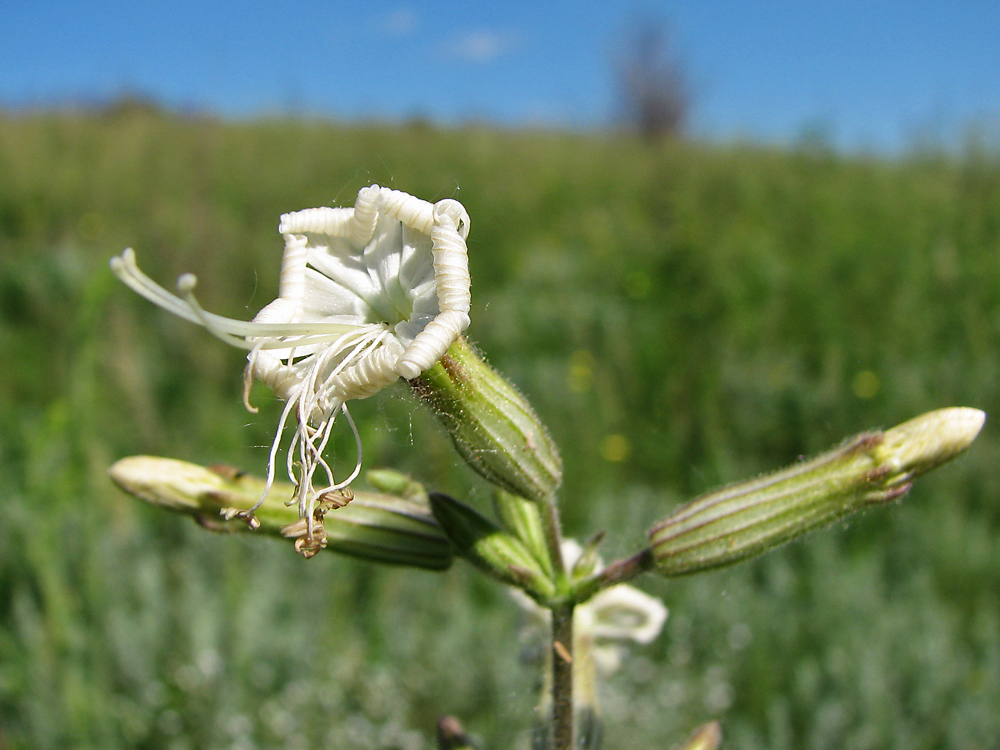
{"x": 680, "y": 315}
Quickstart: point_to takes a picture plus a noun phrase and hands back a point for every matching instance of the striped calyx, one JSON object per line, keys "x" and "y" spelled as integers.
{"x": 748, "y": 518}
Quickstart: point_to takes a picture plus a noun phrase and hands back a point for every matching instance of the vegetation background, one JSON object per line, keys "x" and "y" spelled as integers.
{"x": 682, "y": 315}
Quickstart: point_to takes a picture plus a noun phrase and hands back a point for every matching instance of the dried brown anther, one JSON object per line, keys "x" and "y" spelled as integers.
{"x": 244, "y": 515}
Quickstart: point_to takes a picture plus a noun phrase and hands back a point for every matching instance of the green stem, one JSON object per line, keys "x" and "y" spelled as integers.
{"x": 561, "y": 650}
{"x": 553, "y": 540}
{"x": 562, "y": 677}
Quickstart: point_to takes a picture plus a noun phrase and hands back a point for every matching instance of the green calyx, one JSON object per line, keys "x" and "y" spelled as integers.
{"x": 750, "y": 518}
{"x": 493, "y": 427}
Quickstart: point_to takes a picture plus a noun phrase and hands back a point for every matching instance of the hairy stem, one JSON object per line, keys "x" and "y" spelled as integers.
{"x": 562, "y": 677}
{"x": 561, "y": 649}
{"x": 553, "y": 540}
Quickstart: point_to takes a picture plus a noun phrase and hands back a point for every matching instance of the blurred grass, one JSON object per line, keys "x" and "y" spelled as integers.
{"x": 681, "y": 316}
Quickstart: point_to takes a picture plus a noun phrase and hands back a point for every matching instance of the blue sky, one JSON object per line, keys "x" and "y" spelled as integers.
{"x": 871, "y": 75}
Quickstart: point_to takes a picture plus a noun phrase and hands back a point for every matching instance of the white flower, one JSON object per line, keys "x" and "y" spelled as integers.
{"x": 618, "y": 613}
{"x": 367, "y": 295}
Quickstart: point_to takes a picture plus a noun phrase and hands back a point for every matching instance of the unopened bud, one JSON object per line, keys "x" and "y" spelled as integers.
{"x": 451, "y": 735}
{"x": 747, "y": 519}
{"x": 490, "y": 548}
{"x": 373, "y": 526}
{"x": 523, "y": 519}
{"x": 393, "y": 482}
{"x": 925, "y": 442}
{"x": 708, "y": 737}
{"x": 493, "y": 426}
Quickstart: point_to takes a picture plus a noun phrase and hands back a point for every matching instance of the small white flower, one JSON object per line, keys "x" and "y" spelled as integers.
{"x": 615, "y": 614}
{"x": 367, "y": 295}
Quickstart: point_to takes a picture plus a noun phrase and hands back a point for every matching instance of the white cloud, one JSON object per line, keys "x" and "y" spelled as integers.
{"x": 483, "y": 46}
{"x": 401, "y": 22}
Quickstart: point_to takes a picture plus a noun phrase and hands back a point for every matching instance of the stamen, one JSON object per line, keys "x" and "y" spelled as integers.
{"x": 127, "y": 270}
{"x": 312, "y": 456}
{"x": 357, "y": 443}
{"x": 269, "y": 480}
{"x": 248, "y": 372}
{"x": 185, "y": 285}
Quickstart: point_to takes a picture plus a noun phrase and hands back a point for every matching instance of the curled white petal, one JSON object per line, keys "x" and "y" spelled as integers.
{"x": 365, "y": 215}
{"x": 409, "y": 210}
{"x": 623, "y": 612}
{"x": 319, "y": 220}
{"x": 451, "y": 264}
{"x": 431, "y": 344}
{"x": 447, "y": 289}
{"x": 292, "y": 281}
{"x": 370, "y": 374}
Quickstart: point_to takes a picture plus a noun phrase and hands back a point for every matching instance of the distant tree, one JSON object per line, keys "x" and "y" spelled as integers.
{"x": 128, "y": 104}
{"x": 652, "y": 86}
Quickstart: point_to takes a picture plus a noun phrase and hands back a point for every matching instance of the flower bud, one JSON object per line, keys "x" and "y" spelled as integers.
{"x": 490, "y": 548}
{"x": 372, "y": 526}
{"x": 708, "y": 737}
{"x": 492, "y": 426}
{"x": 392, "y": 482}
{"x": 747, "y": 519}
{"x": 451, "y": 735}
{"x": 522, "y": 519}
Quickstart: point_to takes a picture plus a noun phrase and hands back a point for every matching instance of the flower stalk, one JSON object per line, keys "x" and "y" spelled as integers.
{"x": 618, "y": 572}
{"x": 589, "y": 646}
{"x": 561, "y": 656}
